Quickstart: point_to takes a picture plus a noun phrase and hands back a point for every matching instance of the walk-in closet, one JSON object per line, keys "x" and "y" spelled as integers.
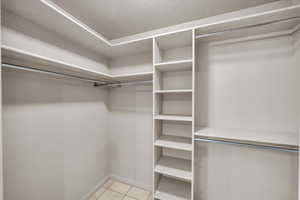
{"x": 150, "y": 100}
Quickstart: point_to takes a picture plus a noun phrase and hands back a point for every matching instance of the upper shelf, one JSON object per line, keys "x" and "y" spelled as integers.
{"x": 276, "y": 22}
{"x": 63, "y": 23}
{"x": 280, "y": 139}
{"x": 19, "y": 57}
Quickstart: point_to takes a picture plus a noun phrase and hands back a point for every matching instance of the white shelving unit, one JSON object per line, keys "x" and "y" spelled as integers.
{"x": 173, "y": 61}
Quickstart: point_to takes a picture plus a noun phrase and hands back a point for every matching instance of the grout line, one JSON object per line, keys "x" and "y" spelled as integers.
{"x": 125, "y": 194}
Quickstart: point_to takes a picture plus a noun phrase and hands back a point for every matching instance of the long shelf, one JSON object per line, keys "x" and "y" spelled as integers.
{"x": 174, "y": 142}
{"x": 277, "y": 139}
{"x": 173, "y": 91}
{"x": 173, "y": 117}
{"x": 142, "y": 76}
{"x": 176, "y": 167}
{"x": 172, "y": 189}
{"x": 18, "y": 56}
{"x": 180, "y": 65}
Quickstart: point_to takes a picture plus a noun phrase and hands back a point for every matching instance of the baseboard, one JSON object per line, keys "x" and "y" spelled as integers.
{"x": 131, "y": 182}
{"x": 95, "y": 188}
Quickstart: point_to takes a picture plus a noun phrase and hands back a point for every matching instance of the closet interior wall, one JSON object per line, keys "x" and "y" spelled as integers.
{"x": 64, "y": 138}
{"x": 130, "y": 123}
{"x": 55, "y": 130}
{"x": 247, "y": 84}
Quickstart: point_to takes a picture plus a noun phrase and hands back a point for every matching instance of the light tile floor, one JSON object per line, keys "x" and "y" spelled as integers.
{"x": 115, "y": 190}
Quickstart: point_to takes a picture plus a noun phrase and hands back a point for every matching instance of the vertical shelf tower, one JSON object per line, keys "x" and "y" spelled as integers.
{"x": 173, "y": 115}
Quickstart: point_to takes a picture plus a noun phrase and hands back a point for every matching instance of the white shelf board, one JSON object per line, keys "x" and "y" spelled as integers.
{"x": 174, "y": 142}
{"x": 180, "y": 65}
{"x": 249, "y": 20}
{"x": 252, "y": 33}
{"x": 176, "y": 167}
{"x": 142, "y": 76}
{"x": 253, "y": 137}
{"x": 174, "y": 117}
{"x": 172, "y": 189}
{"x": 20, "y": 57}
{"x": 174, "y": 91}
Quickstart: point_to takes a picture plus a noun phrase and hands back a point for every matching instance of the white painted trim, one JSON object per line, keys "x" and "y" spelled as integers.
{"x": 76, "y": 21}
{"x": 94, "y": 189}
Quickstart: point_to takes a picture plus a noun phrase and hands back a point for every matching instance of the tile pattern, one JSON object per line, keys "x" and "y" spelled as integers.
{"x": 116, "y": 190}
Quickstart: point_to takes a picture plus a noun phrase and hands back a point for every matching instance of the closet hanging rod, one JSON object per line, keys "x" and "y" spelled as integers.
{"x": 32, "y": 69}
{"x": 259, "y": 146}
{"x": 246, "y": 27}
{"x": 127, "y": 83}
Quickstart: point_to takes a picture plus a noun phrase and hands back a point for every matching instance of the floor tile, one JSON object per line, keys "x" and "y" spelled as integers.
{"x": 100, "y": 192}
{"x": 108, "y": 183}
{"x": 120, "y": 187}
{"x": 138, "y": 193}
{"x": 93, "y": 197}
{"x": 128, "y": 198}
{"x": 111, "y": 195}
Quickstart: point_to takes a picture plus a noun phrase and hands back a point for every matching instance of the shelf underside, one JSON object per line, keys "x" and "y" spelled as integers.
{"x": 174, "y": 142}
{"x": 181, "y": 65}
{"x": 173, "y": 91}
{"x": 173, "y": 117}
{"x": 276, "y": 139}
{"x": 172, "y": 189}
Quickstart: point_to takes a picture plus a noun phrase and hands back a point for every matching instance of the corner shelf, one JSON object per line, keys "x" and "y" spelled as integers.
{"x": 172, "y": 189}
{"x": 173, "y": 117}
{"x": 176, "y": 167}
{"x": 180, "y": 65}
{"x": 174, "y": 142}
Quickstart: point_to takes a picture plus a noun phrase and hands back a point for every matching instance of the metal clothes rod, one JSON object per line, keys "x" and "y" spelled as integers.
{"x": 246, "y": 27}
{"x": 259, "y": 146}
{"x": 127, "y": 83}
{"x": 31, "y": 69}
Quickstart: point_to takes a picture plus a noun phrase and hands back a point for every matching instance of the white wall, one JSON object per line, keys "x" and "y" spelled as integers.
{"x": 130, "y": 134}
{"x": 55, "y": 137}
{"x": 131, "y": 64}
{"x": 247, "y": 85}
{"x": 1, "y": 156}
{"x": 296, "y": 42}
